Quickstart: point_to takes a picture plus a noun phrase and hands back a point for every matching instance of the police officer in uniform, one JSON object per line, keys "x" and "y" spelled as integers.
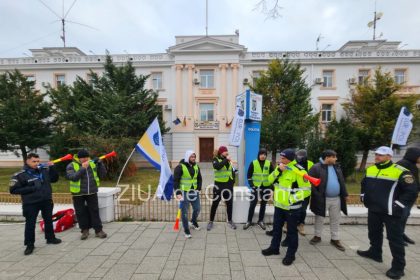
{"x": 187, "y": 185}
{"x": 387, "y": 190}
{"x": 33, "y": 183}
{"x": 289, "y": 193}
{"x": 258, "y": 172}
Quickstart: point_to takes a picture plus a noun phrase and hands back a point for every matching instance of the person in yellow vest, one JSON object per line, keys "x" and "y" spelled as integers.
{"x": 258, "y": 172}
{"x": 289, "y": 193}
{"x": 187, "y": 186}
{"x": 84, "y": 175}
{"x": 386, "y": 190}
{"x": 224, "y": 179}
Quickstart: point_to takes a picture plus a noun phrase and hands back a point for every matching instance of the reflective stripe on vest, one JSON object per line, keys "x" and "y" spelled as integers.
{"x": 284, "y": 195}
{"x": 391, "y": 173}
{"x": 186, "y": 180}
{"x": 260, "y": 177}
{"x": 224, "y": 174}
{"x": 75, "y": 186}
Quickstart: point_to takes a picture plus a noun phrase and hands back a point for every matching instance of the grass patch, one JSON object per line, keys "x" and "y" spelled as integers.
{"x": 143, "y": 176}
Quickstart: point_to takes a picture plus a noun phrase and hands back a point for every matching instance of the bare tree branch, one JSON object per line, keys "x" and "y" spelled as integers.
{"x": 270, "y": 8}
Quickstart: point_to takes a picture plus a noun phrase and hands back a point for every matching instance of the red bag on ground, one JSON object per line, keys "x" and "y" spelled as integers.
{"x": 62, "y": 220}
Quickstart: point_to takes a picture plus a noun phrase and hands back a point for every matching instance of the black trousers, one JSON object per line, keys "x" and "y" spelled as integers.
{"x": 302, "y": 217}
{"x": 291, "y": 217}
{"x": 227, "y": 193}
{"x": 30, "y": 212}
{"x": 87, "y": 212}
{"x": 394, "y": 230}
{"x": 263, "y": 194}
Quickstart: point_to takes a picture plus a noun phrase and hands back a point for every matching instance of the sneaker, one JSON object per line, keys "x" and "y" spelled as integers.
{"x": 247, "y": 225}
{"x": 315, "y": 240}
{"x": 269, "y": 232}
{"x": 29, "y": 249}
{"x": 269, "y": 252}
{"x": 337, "y": 244}
{"x": 101, "y": 234}
{"x": 54, "y": 241}
{"x": 194, "y": 225}
{"x": 209, "y": 226}
{"x": 85, "y": 234}
{"x": 393, "y": 274}
{"x": 288, "y": 260}
{"x": 231, "y": 225}
{"x": 368, "y": 254}
{"x": 262, "y": 225}
{"x": 301, "y": 229}
{"x": 187, "y": 234}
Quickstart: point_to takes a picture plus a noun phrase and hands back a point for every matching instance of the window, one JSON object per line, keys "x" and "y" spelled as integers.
{"x": 30, "y": 78}
{"x": 363, "y": 74}
{"x": 255, "y": 75}
{"x": 328, "y": 78}
{"x": 207, "y": 78}
{"x": 399, "y": 76}
{"x": 326, "y": 113}
{"x": 60, "y": 80}
{"x": 157, "y": 80}
{"x": 206, "y": 112}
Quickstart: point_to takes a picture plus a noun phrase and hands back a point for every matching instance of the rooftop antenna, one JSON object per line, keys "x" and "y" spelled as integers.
{"x": 207, "y": 17}
{"x": 376, "y": 16}
{"x": 318, "y": 40}
{"x": 64, "y": 20}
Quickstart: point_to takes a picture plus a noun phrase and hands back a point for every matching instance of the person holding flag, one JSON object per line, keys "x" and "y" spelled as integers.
{"x": 187, "y": 186}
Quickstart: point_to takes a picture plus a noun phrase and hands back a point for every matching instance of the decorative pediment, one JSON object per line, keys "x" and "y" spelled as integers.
{"x": 206, "y": 44}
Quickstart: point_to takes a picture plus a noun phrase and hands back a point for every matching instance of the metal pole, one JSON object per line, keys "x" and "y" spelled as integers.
{"x": 125, "y": 164}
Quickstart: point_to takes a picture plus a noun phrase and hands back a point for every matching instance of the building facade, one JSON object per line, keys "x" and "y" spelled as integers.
{"x": 199, "y": 77}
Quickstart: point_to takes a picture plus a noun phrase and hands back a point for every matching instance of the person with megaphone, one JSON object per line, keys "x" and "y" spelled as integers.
{"x": 330, "y": 195}
{"x": 85, "y": 175}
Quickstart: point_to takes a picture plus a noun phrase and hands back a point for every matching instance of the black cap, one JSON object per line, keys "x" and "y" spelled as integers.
{"x": 262, "y": 151}
{"x": 289, "y": 154}
{"x": 83, "y": 154}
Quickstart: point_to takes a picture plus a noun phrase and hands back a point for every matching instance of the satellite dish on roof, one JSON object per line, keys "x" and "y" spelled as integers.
{"x": 379, "y": 15}
{"x": 370, "y": 24}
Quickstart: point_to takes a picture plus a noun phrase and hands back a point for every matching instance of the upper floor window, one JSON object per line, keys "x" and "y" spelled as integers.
{"x": 400, "y": 76}
{"x": 157, "y": 80}
{"x": 363, "y": 75}
{"x": 30, "y": 78}
{"x": 60, "y": 80}
{"x": 255, "y": 75}
{"x": 207, "y": 78}
{"x": 328, "y": 78}
{"x": 206, "y": 112}
{"x": 326, "y": 113}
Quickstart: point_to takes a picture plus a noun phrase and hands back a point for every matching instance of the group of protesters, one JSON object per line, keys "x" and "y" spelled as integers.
{"x": 389, "y": 190}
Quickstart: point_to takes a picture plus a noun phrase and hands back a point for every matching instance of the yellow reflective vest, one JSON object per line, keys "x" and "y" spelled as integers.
{"x": 260, "y": 176}
{"x": 187, "y": 181}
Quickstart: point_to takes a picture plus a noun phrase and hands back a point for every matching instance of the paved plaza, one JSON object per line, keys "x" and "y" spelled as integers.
{"x": 148, "y": 250}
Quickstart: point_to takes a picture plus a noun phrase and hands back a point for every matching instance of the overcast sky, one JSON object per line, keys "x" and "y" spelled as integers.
{"x": 149, "y": 26}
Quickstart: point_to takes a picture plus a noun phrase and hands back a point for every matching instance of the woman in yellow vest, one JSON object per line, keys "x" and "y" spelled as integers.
{"x": 187, "y": 186}
{"x": 84, "y": 176}
{"x": 261, "y": 188}
{"x": 223, "y": 185}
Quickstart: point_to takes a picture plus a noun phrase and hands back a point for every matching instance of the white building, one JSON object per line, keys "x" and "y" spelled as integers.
{"x": 199, "y": 77}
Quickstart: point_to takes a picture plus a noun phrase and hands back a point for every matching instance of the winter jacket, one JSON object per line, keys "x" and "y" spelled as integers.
{"x": 34, "y": 185}
{"x": 85, "y": 175}
{"x": 409, "y": 161}
{"x": 318, "y": 197}
{"x": 388, "y": 188}
{"x": 178, "y": 175}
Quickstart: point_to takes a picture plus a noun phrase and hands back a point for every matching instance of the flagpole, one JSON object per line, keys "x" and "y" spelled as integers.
{"x": 125, "y": 164}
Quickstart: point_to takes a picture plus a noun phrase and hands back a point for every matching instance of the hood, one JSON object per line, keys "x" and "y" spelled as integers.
{"x": 412, "y": 154}
{"x": 187, "y": 155}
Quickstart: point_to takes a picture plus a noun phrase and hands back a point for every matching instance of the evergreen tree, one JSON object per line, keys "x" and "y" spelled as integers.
{"x": 25, "y": 122}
